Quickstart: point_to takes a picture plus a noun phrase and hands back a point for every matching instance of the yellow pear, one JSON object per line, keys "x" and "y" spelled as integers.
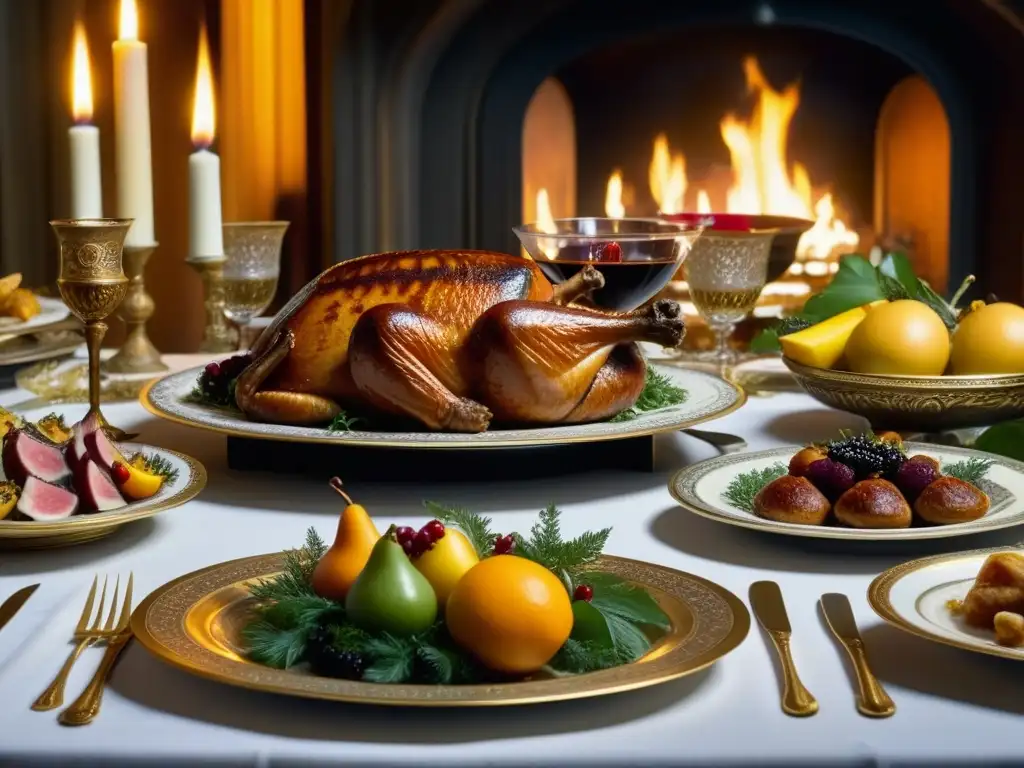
{"x": 345, "y": 559}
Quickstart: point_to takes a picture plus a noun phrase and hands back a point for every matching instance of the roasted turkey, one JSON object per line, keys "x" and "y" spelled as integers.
{"x": 454, "y": 340}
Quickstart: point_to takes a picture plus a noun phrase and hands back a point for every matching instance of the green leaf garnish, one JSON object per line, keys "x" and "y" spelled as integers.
{"x": 746, "y": 485}
{"x": 343, "y": 422}
{"x": 158, "y": 465}
{"x": 298, "y": 570}
{"x": 563, "y": 558}
{"x": 475, "y": 527}
{"x": 659, "y": 392}
{"x": 971, "y": 471}
{"x": 613, "y": 595}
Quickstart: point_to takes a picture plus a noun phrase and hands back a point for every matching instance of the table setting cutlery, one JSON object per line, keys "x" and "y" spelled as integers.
{"x": 872, "y": 700}
{"x": 724, "y": 442}
{"x": 770, "y": 610}
{"x": 115, "y": 632}
{"x": 13, "y": 604}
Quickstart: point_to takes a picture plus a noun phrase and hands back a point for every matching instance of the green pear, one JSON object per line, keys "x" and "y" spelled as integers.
{"x": 390, "y": 595}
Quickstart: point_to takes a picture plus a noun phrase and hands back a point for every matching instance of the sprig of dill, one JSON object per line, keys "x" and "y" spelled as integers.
{"x": 746, "y": 485}
{"x": 294, "y": 582}
{"x": 158, "y": 465}
{"x": 659, "y": 392}
{"x": 343, "y": 422}
{"x": 971, "y": 470}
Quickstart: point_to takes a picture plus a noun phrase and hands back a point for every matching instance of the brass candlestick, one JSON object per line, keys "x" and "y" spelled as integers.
{"x": 137, "y": 354}
{"x": 218, "y": 335}
{"x": 92, "y": 282}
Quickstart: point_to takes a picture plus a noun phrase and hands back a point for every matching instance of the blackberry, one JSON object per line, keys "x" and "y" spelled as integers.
{"x": 866, "y": 455}
{"x": 327, "y": 660}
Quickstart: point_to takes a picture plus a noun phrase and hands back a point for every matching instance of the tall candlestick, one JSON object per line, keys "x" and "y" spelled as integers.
{"x": 131, "y": 123}
{"x": 206, "y": 238}
{"x": 83, "y": 138}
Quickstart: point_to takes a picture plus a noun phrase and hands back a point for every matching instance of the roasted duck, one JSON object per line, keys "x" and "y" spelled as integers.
{"x": 452, "y": 339}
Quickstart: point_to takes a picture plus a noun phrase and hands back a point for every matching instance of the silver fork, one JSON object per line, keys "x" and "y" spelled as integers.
{"x": 85, "y": 635}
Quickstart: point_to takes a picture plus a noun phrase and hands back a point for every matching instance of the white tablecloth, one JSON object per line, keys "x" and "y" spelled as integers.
{"x": 952, "y": 706}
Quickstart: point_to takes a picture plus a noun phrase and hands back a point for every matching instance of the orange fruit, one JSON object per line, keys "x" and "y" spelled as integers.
{"x": 511, "y": 613}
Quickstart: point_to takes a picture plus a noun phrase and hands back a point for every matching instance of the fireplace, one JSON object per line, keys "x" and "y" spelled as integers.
{"x": 904, "y": 123}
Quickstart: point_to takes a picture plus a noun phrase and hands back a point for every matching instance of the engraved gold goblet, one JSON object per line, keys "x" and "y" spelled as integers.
{"x": 92, "y": 282}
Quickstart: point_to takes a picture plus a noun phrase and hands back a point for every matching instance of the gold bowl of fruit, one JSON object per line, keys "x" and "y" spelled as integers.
{"x": 906, "y": 359}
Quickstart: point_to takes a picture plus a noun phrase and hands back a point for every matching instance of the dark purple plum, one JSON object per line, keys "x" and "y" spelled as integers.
{"x": 831, "y": 478}
{"x": 915, "y": 475}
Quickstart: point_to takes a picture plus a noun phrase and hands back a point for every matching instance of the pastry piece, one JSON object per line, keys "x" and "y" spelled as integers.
{"x": 890, "y": 437}
{"x": 951, "y": 500}
{"x": 802, "y": 460}
{"x": 998, "y": 588}
{"x": 789, "y": 499}
{"x": 1009, "y": 629}
{"x": 873, "y": 503}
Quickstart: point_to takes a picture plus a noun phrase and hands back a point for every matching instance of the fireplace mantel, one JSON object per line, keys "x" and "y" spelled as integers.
{"x": 428, "y": 104}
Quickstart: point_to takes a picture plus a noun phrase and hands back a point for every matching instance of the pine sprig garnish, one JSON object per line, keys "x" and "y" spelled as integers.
{"x": 971, "y": 471}
{"x": 475, "y": 527}
{"x": 298, "y": 569}
{"x": 393, "y": 659}
{"x": 546, "y": 546}
{"x": 158, "y": 465}
{"x": 274, "y": 646}
{"x": 745, "y": 486}
{"x": 577, "y": 658}
{"x": 658, "y": 392}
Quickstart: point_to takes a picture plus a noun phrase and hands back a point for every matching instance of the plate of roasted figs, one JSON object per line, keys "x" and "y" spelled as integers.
{"x": 64, "y": 484}
{"x": 449, "y": 349}
{"x": 969, "y": 600}
{"x": 860, "y": 487}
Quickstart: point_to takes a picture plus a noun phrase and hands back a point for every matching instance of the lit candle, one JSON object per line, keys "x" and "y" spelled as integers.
{"x": 83, "y": 138}
{"x": 206, "y": 238}
{"x": 131, "y": 124}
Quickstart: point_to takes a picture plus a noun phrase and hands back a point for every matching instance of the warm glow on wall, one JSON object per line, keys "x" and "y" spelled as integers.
{"x": 81, "y": 80}
{"x": 203, "y": 111}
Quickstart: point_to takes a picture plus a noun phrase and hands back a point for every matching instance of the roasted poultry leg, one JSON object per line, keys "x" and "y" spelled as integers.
{"x": 537, "y": 362}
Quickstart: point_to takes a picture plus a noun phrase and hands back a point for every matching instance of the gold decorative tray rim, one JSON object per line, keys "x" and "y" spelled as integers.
{"x": 890, "y": 381}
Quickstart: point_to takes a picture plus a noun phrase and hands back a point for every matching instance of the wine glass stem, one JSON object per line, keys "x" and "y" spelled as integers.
{"x": 723, "y": 332}
{"x": 94, "y": 332}
{"x": 241, "y": 326}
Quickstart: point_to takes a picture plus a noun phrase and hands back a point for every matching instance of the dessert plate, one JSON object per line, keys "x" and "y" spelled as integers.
{"x": 914, "y": 596}
{"x": 195, "y": 621}
{"x": 700, "y": 488}
{"x": 708, "y": 397}
{"x": 79, "y": 528}
{"x": 50, "y": 311}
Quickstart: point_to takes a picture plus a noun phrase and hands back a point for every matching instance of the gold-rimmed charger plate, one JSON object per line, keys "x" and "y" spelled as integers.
{"x": 195, "y": 623}
{"x": 708, "y": 397}
{"x": 914, "y": 597}
{"x": 79, "y": 528}
{"x": 700, "y": 488}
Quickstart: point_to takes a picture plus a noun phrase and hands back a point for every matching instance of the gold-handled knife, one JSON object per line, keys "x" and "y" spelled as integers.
{"x": 872, "y": 700}
{"x": 766, "y": 600}
{"x": 13, "y": 603}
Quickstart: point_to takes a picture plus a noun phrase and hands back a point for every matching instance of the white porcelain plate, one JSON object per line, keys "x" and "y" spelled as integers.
{"x": 701, "y": 488}
{"x": 914, "y": 596}
{"x": 708, "y": 397}
{"x": 50, "y": 311}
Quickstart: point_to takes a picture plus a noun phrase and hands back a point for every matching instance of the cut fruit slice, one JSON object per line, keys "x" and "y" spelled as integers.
{"x": 102, "y": 450}
{"x": 8, "y": 498}
{"x": 134, "y": 482}
{"x": 23, "y": 455}
{"x": 95, "y": 488}
{"x": 78, "y": 450}
{"x": 822, "y": 345}
{"x": 44, "y": 501}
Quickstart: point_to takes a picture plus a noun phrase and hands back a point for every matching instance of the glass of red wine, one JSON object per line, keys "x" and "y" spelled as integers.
{"x": 636, "y": 257}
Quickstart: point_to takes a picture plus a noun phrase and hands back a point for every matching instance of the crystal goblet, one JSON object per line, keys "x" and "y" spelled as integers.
{"x": 252, "y": 265}
{"x": 92, "y": 282}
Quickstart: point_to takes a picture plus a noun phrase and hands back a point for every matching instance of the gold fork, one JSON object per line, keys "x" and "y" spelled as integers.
{"x": 85, "y": 635}
{"x": 87, "y": 705}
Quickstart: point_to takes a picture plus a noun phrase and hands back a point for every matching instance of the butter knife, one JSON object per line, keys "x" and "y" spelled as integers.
{"x": 766, "y": 600}
{"x": 13, "y": 603}
{"x": 872, "y": 700}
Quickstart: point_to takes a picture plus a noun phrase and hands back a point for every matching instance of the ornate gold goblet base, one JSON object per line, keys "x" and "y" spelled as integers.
{"x": 137, "y": 354}
{"x": 218, "y": 335}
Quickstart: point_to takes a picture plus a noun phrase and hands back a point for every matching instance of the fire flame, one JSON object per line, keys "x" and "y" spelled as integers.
{"x": 614, "y": 208}
{"x": 546, "y": 223}
{"x": 667, "y": 176}
{"x": 81, "y": 80}
{"x": 203, "y": 111}
{"x": 129, "y": 21}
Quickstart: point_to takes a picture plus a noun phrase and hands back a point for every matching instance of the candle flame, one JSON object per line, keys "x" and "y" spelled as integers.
{"x": 81, "y": 80}
{"x": 203, "y": 116}
{"x": 129, "y": 21}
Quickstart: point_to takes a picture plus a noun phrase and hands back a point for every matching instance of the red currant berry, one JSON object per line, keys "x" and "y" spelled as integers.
{"x": 404, "y": 534}
{"x": 120, "y": 473}
{"x": 504, "y": 544}
{"x": 435, "y": 529}
{"x": 609, "y": 252}
{"x": 583, "y": 592}
{"x": 213, "y": 369}
{"x": 421, "y": 543}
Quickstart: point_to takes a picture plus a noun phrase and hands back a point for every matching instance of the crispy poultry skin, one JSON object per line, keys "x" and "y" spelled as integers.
{"x": 451, "y": 339}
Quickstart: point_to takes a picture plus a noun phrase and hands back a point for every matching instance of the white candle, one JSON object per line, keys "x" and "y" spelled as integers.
{"x": 206, "y": 237}
{"x": 83, "y": 139}
{"x": 131, "y": 124}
